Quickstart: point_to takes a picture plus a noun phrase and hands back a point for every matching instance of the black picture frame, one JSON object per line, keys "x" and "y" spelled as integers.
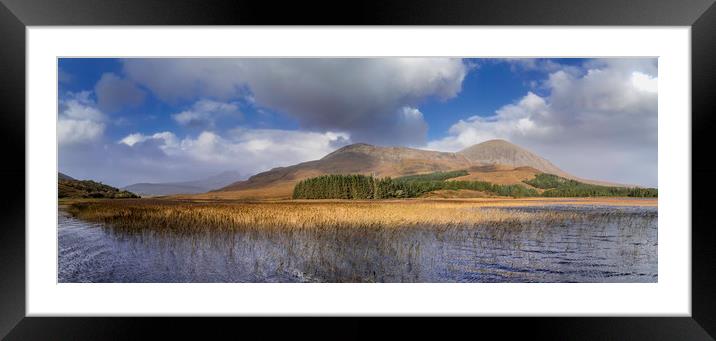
{"x": 15, "y": 15}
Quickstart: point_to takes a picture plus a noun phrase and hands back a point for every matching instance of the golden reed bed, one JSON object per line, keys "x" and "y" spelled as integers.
{"x": 185, "y": 215}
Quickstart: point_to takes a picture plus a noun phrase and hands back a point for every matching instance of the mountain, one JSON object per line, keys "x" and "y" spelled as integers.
{"x": 358, "y": 158}
{"x": 501, "y": 152}
{"x": 68, "y": 187}
{"x": 186, "y": 187}
{"x": 495, "y": 161}
{"x": 216, "y": 181}
{"x": 155, "y": 189}
{"x": 62, "y": 176}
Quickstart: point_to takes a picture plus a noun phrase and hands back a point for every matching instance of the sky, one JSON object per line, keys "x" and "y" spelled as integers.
{"x": 123, "y": 121}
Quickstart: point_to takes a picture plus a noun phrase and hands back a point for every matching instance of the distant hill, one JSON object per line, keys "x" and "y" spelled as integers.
{"x": 504, "y": 153}
{"x": 501, "y": 152}
{"x": 155, "y": 189}
{"x": 62, "y": 176}
{"x": 495, "y": 161}
{"x": 186, "y": 187}
{"x": 68, "y": 187}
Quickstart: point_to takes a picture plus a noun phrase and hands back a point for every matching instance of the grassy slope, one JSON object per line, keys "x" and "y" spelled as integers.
{"x": 555, "y": 186}
{"x": 500, "y": 175}
{"x": 280, "y": 190}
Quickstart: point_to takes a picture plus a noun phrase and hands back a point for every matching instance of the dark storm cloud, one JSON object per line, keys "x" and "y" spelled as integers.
{"x": 113, "y": 93}
{"x": 366, "y": 98}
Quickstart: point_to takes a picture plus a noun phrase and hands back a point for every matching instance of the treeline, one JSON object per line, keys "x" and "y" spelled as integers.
{"x": 436, "y": 176}
{"x": 356, "y": 186}
{"x": 352, "y": 186}
{"x": 556, "y": 186}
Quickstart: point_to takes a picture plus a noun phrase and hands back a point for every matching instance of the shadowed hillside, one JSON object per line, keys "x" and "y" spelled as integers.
{"x": 67, "y": 187}
{"x": 62, "y": 176}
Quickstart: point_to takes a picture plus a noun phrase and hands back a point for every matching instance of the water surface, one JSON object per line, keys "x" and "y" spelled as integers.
{"x": 610, "y": 244}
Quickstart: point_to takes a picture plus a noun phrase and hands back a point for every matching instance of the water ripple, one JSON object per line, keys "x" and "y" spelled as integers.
{"x": 619, "y": 246}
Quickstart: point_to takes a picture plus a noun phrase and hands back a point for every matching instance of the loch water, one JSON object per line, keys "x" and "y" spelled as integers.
{"x": 610, "y": 244}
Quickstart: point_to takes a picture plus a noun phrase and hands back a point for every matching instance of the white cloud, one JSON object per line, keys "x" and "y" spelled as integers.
{"x": 167, "y": 141}
{"x": 204, "y": 113}
{"x": 272, "y": 147}
{"x": 364, "y": 97}
{"x": 510, "y": 121}
{"x": 80, "y": 106}
{"x": 71, "y": 131}
{"x": 644, "y": 82}
{"x": 79, "y": 121}
{"x": 114, "y": 93}
{"x": 164, "y": 157}
{"x": 256, "y": 150}
{"x": 133, "y": 139}
{"x": 600, "y": 123}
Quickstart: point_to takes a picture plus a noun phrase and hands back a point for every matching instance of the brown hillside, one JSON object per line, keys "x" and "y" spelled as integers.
{"x": 495, "y": 161}
{"x": 353, "y": 159}
{"x": 499, "y": 174}
{"x": 504, "y": 153}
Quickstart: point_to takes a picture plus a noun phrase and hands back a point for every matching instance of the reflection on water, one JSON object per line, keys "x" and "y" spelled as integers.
{"x": 607, "y": 245}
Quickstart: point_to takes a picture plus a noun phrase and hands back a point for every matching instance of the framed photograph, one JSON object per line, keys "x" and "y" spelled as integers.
{"x": 537, "y": 166}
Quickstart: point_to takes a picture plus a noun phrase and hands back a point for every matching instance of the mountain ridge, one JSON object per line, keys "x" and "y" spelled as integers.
{"x": 502, "y": 152}
{"x": 492, "y": 161}
{"x": 360, "y": 158}
{"x": 62, "y": 176}
{"x": 184, "y": 187}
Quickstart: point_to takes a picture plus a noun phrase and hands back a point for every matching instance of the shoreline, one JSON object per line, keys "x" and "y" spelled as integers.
{"x": 487, "y": 201}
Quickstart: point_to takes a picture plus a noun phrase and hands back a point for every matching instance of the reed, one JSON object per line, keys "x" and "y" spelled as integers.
{"x": 179, "y": 215}
{"x": 340, "y": 241}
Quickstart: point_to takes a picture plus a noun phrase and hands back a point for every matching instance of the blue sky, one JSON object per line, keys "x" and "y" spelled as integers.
{"x": 123, "y": 121}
